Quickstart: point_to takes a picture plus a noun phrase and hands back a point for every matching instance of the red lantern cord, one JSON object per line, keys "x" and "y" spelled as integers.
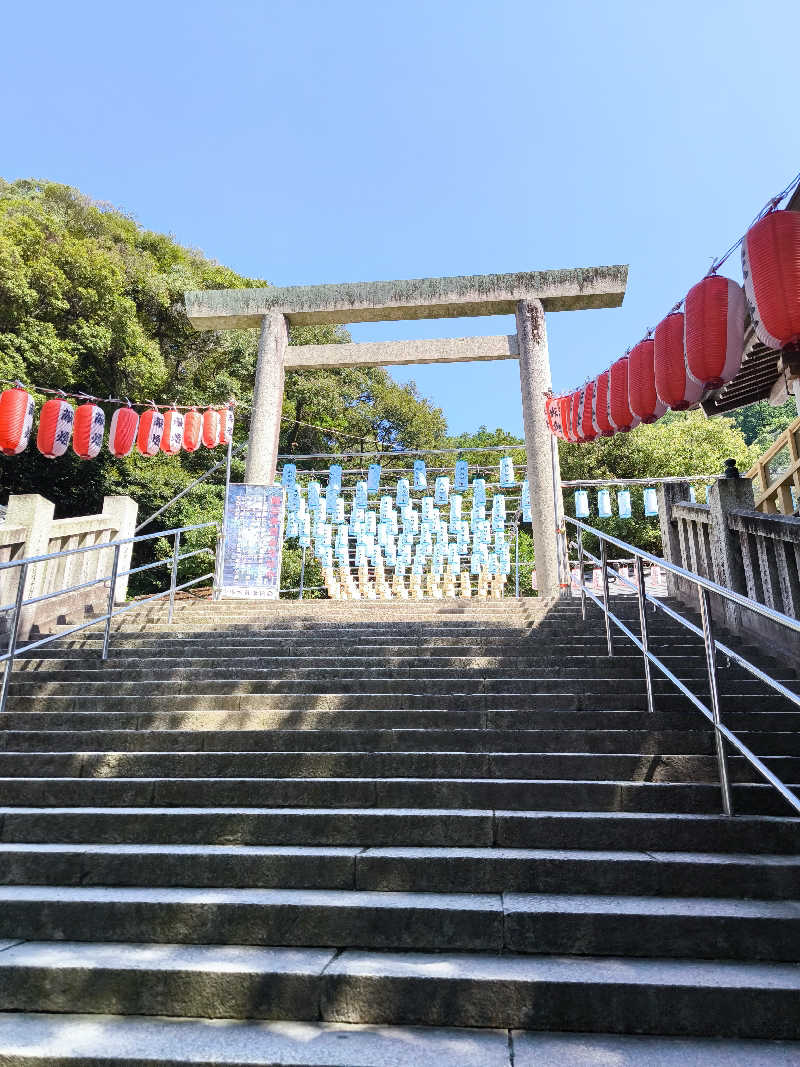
{"x": 89, "y": 398}
{"x": 713, "y": 313}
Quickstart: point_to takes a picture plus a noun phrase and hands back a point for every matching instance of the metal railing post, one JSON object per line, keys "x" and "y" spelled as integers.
{"x": 174, "y": 578}
{"x": 604, "y": 570}
{"x": 711, "y": 657}
{"x": 641, "y": 594}
{"x": 110, "y": 606}
{"x": 580, "y": 575}
{"x": 12, "y": 637}
{"x": 302, "y": 575}
{"x": 516, "y": 564}
{"x": 217, "y": 558}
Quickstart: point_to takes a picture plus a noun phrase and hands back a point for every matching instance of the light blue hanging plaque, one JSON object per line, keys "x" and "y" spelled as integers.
{"x": 581, "y": 504}
{"x": 506, "y": 472}
{"x": 289, "y": 475}
{"x": 373, "y": 478}
{"x": 335, "y": 475}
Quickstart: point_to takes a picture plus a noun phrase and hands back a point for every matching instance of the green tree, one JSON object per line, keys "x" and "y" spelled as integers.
{"x": 760, "y": 423}
{"x": 92, "y": 302}
{"x": 679, "y": 443}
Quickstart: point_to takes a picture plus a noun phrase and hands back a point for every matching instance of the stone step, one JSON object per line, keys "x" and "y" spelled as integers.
{"x": 396, "y": 721}
{"x": 38, "y": 1039}
{"x": 516, "y": 794}
{"x": 629, "y": 676}
{"x": 531, "y": 1049}
{"x": 230, "y": 682}
{"x": 586, "y": 925}
{"x": 530, "y": 702}
{"x": 445, "y": 766}
{"x": 415, "y": 827}
{"x": 671, "y": 997}
{"x": 260, "y": 644}
{"x": 51, "y": 667}
{"x": 404, "y": 869}
{"x": 347, "y": 632}
{"x": 95, "y": 738}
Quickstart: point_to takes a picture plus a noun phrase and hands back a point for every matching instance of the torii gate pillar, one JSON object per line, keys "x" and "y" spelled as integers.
{"x": 544, "y": 474}
{"x": 527, "y": 294}
{"x": 265, "y": 417}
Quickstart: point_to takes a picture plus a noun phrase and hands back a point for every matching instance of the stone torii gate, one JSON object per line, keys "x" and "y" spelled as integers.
{"x": 527, "y": 295}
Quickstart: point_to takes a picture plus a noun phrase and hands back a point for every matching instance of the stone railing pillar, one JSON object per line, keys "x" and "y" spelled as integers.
{"x": 121, "y": 512}
{"x": 35, "y": 514}
{"x": 730, "y": 491}
{"x": 670, "y": 493}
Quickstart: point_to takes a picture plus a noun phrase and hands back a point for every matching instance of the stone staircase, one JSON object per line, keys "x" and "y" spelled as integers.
{"x": 337, "y": 833}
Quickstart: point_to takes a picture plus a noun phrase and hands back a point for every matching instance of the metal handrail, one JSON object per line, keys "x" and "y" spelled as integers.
{"x": 20, "y": 601}
{"x": 704, "y": 587}
{"x": 188, "y": 488}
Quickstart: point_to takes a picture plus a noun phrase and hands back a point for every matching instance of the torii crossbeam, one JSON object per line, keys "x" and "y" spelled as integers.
{"x": 527, "y": 295}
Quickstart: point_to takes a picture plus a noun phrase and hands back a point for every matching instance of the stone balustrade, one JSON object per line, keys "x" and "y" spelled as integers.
{"x": 30, "y": 529}
{"x": 728, "y": 541}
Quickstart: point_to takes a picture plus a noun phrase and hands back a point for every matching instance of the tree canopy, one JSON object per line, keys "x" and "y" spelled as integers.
{"x": 760, "y": 423}
{"x": 91, "y": 301}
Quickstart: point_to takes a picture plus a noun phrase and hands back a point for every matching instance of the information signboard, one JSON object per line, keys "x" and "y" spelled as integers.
{"x": 251, "y": 565}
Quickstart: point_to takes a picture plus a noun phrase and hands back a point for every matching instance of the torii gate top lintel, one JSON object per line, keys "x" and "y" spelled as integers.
{"x": 528, "y": 295}
{"x": 417, "y": 298}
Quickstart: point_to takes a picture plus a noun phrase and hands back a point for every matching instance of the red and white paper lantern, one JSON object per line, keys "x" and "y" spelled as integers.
{"x": 588, "y": 432}
{"x": 151, "y": 430}
{"x": 192, "y": 430}
{"x": 565, "y": 407}
{"x": 552, "y": 412}
{"x": 17, "y": 410}
{"x": 211, "y": 428}
{"x": 122, "y": 434}
{"x": 55, "y": 428}
{"x": 771, "y": 272}
{"x": 577, "y": 398}
{"x": 172, "y": 436}
{"x": 225, "y": 425}
{"x": 87, "y": 432}
{"x": 600, "y": 419}
{"x": 642, "y": 395}
{"x": 674, "y": 386}
{"x": 619, "y": 410}
{"x": 714, "y": 331}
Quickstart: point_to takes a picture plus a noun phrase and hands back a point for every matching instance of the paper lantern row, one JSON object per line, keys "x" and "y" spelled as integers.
{"x": 379, "y": 539}
{"x": 370, "y": 486}
{"x": 333, "y": 502}
{"x": 604, "y": 509}
{"x": 154, "y": 431}
{"x": 698, "y": 350}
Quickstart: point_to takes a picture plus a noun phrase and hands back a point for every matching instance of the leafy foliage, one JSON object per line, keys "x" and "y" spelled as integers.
{"x": 92, "y": 302}
{"x": 760, "y": 423}
{"x": 679, "y": 443}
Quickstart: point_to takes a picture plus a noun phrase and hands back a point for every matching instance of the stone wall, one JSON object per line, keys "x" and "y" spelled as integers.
{"x": 732, "y": 544}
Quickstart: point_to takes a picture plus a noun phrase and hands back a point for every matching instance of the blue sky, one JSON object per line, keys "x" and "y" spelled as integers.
{"x": 316, "y": 141}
